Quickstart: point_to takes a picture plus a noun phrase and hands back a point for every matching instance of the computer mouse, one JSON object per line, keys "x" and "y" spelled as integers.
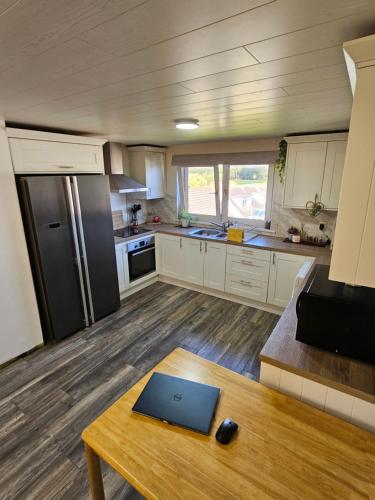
{"x": 226, "y": 431}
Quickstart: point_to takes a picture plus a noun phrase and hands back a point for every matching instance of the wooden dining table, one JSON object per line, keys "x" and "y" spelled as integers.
{"x": 284, "y": 448}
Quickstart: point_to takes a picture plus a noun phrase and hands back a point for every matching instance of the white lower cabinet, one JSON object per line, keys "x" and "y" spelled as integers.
{"x": 283, "y": 271}
{"x": 252, "y": 273}
{"x": 246, "y": 287}
{"x": 193, "y": 257}
{"x": 248, "y": 267}
{"x": 247, "y": 272}
{"x": 122, "y": 267}
{"x": 195, "y": 261}
{"x": 169, "y": 256}
{"x": 214, "y": 265}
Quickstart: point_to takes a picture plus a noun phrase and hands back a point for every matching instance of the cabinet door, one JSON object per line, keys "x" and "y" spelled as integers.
{"x": 333, "y": 174}
{"x": 245, "y": 287}
{"x": 121, "y": 261}
{"x": 39, "y": 157}
{"x": 304, "y": 173}
{"x": 214, "y": 265}
{"x": 155, "y": 175}
{"x": 247, "y": 267}
{"x": 354, "y": 243}
{"x": 193, "y": 257}
{"x": 169, "y": 260}
{"x": 283, "y": 271}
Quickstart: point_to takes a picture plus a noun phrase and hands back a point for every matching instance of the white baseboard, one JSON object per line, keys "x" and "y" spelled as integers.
{"x": 340, "y": 404}
{"x": 223, "y": 295}
{"x": 139, "y": 286}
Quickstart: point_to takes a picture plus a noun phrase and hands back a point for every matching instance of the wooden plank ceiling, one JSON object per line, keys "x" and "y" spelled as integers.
{"x": 125, "y": 69}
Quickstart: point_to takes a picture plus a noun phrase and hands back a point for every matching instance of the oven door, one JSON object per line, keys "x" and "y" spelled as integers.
{"x": 141, "y": 262}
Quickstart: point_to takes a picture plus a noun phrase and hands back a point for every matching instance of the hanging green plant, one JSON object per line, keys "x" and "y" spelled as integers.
{"x": 281, "y": 160}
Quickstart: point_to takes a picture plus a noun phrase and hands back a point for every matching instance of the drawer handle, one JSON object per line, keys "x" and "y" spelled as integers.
{"x": 248, "y": 263}
{"x": 65, "y": 166}
{"x": 246, "y": 283}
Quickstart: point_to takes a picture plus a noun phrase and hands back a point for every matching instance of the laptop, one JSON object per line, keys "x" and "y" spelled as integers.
{"x": 178, "y": 402}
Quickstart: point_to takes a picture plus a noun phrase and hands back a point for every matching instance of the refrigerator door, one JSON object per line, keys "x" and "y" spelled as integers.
{"x": 52, "y": 248}
{"x": 94, "y": 218}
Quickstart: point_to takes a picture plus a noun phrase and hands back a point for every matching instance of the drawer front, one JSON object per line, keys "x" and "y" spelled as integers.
{"x": 248, "y": 267}
{"x": 249, "y": 252}
{"x": 246, "y": 287}
{"x": 32, "y": 156}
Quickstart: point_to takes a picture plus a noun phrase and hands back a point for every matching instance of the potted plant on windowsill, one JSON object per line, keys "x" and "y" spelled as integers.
{"x": 185, "y": 218}
{"x": 294, "y": 234}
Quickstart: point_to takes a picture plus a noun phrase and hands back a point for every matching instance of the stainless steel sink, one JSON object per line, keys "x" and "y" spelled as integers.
{"x": 221, "y": 236}
{"x": 208, "y": 233}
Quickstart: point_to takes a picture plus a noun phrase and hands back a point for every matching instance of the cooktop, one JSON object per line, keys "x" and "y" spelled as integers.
{"x": 125, "y": 232}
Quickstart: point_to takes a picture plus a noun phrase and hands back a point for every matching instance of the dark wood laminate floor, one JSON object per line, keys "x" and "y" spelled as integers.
{"x": 48, "y": 397}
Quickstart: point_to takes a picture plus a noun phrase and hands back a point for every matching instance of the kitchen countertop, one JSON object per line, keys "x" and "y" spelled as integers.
{"x": 261, "y": 242}
{"x": 333, "y": 370}
{"x": 282, "y": 349}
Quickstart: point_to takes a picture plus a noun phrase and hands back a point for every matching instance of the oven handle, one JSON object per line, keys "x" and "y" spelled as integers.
{"x": 138, "y": 252}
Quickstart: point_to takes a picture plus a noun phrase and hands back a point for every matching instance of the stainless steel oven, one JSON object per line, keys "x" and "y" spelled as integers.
{"x": 141, "y": 257}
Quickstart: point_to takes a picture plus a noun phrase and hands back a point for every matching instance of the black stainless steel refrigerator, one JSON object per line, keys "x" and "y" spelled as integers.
{"x": 68, "y": 225}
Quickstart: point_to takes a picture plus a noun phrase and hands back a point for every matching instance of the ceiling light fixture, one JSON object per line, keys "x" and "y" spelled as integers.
{"x": 187, "y": 123}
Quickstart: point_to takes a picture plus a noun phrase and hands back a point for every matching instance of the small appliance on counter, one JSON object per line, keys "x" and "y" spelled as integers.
{"x": 337, "y": 317}
{"x": 134, "y": 210}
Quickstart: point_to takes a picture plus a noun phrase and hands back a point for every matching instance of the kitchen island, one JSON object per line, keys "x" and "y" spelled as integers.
{"x": 337, "y": 384}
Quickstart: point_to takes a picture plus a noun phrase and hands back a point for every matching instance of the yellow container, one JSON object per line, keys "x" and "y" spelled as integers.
{"x": 235, "y": 234}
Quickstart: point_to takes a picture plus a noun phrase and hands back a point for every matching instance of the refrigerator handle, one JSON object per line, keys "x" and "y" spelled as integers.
{"x": 76, "y": 246}
{"x": 84, "y": 254}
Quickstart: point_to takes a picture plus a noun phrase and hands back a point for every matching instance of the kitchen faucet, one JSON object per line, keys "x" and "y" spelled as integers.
{"x": 223, "y": 225}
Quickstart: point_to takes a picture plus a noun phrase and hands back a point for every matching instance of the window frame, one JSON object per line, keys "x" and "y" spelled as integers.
{"x": 183, "y": 193}
{"x": 269, "y": 196}
{"x": 222, "y": 211}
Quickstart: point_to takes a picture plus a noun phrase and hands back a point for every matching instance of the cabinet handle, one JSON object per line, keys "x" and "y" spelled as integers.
{"x": 65, "y": 166}
{"x": 250, "y": 285}
{"x": 206, "y": 246}
{"x": 273, "y": 259}
{"x": 180, "y": 242}
{"x": 245, "y": 263}
{"x": 200, "y": 247}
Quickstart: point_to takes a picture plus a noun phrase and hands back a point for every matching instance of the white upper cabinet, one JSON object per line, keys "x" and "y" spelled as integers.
{"x": 36, "y": 152}
{"x": 147, "y": 166}
{"x": 304, "y": 173}
{"x": 333, "y": 174}
{"x": 314, "y": 166}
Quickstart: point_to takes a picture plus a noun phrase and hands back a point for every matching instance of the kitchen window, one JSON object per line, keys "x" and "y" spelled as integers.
{"x": 240, "y": 193}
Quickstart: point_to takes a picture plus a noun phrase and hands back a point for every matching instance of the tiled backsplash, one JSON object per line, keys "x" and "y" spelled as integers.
{"x": 282, "y": 218}
{"x": 118, "y": 219}
{"x": 121, "y": 215}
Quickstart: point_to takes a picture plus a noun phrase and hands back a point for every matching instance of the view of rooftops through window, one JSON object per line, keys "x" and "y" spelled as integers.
{"x": 247, "y": 190}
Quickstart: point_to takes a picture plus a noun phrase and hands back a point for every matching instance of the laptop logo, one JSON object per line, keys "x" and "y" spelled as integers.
{"x": 177, "y": 397}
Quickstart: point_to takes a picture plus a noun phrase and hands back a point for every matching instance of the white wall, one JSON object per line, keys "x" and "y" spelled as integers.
{"x": 20, "y": 328}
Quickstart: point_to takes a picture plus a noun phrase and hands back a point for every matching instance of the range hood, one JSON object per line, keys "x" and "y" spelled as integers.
{"x": 114, "y": 168}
